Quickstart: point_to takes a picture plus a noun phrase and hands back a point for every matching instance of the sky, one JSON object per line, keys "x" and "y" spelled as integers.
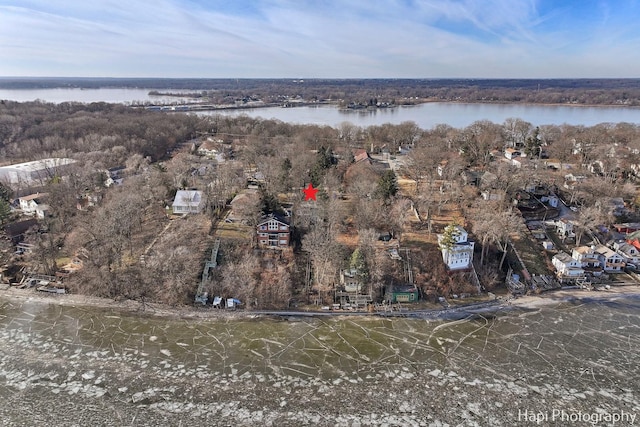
{"x": 320, "y": 38}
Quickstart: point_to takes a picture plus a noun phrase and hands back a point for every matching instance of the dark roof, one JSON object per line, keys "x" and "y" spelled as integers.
{"x": 403, "y": 288}
{"x": 17, "y": 229}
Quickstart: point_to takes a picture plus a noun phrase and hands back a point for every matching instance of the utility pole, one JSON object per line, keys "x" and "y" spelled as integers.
{"x": 407, "y": 263}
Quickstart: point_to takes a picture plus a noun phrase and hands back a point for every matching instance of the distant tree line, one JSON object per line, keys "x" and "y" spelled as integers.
{"x": 363, "y": 91}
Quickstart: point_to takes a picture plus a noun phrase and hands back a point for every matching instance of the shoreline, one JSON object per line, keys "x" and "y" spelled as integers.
{"x": 497, "y": 306}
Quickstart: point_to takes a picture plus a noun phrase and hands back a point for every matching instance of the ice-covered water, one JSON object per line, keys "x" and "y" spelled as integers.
{"x": 63, "y": 365}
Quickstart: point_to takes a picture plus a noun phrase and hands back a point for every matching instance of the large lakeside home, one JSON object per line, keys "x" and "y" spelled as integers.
{"x": 273, "y": 232}
{"x": 458, "y": 255}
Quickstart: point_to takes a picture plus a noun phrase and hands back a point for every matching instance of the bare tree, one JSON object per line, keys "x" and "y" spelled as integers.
{"x": 588, "y": 219}
{"x": 326, "y": 257}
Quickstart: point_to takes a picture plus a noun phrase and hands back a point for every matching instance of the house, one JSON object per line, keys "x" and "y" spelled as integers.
{"x": 627, "y": 227}
{"x": 403, "y": 293}
{"x": 470, "y": 177}
{"x": 571, "y": 181}
{"x": 208, "y": 149}
{"x": 33, "y": 204}
{"x": 520, "y": 162}
{"x": 244, "y": 204}
{"x": 614, "y": 205}
{"x": 588, "y": 259}
{"x": 551, "y": 200}
{"x": 273, "y": 232}
{"x": 611, "y": 261}
{"x": 634, "y": 239}
{"x": 564, "y": 228}
{"x": 630, "y": 253}
{"x": 458, "y": 253}
{"x": 17, "y": 230}
{"x": 188, "y": 201}
{"x": 511, "y": 153}
{"x": 493, "y": 195}
{"x": 88, "y": 200}
{"x": 566, "y": 266}
{"x": 114, "y": 176}
{"x": 350, "y": 281}
{"x": 361, "y": 156}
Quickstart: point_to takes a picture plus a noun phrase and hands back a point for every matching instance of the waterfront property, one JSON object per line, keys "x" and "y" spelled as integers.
{"x": 273, "y": 232}
{"x": 611, "y": 261}
{"x": 567, "y": 267}
{"x": 458, "y": 255}
{"x": 403, "y": 293}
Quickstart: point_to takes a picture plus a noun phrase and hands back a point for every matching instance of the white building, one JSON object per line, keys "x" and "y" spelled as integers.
{"x": 188, "y": 201}
{"x": 629, "y": 252}
{"x": 564, "y": 228}
{"x": 34, "y": 204}
{"x": 460, "y": 255}
{"x": 37, "y": 172}
{"x": 611, "y": 261}
{"x": 566, "y": 266}
{"x": 350, "y": 280}
{"x": 512, "y": 153}
{"x": 588, "y": 259}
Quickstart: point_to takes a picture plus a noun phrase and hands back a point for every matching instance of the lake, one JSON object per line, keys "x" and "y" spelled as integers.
{"x": 112, "y": 95}
{"x": 425, "y": 115}
{"x": 457, "y": 115}
{"x": 65, "y": 365}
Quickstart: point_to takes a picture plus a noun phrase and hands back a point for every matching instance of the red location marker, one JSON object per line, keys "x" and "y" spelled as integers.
{"x": 310, "y": 192}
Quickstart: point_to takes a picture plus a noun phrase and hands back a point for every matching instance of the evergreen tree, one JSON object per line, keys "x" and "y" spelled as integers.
{"x": 5, "y": 210}
{"x": 532, "y": 145}
{"x": 5, "y": 192}
{"x": 387, "y": 185}
{"x": 270, "y": 203}
{"x": 449, "y": 237}
{"x": 285, "y": 174}
{"x": 324, "y": 161}
{"x": 358, "y": 263}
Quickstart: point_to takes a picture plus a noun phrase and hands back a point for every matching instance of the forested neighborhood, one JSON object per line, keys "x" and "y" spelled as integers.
{"x": 127, "y": 203}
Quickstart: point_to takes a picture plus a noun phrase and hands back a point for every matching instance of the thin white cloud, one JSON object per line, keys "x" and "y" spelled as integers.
{"x": 287, "y": 38}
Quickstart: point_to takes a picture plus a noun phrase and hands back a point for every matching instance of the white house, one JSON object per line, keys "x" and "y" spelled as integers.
{"x": 208, "y": 149}
{"x": 611, "y": 261}
{"x": 629, "y": 252}
{"x": 566, "y": 266}
{"x": 188, "y": 201}
{"x": 460, "y": 255}
{"x": 588, "y": 259}
{"x": 349, "y": 279}
{"x": 33, "y": 204}
{"x": 511, "y": 153}
{"x": 493, "y": 195}
{"x": 564, "y": 228}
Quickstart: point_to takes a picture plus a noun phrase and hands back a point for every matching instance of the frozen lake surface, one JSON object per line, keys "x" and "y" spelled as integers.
{"x": 62, "y": 365}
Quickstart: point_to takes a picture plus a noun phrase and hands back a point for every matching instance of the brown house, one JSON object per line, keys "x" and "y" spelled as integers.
{"x": 273, "y": 232}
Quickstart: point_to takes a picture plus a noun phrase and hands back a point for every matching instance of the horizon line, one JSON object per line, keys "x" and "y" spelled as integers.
{"x": 318, "y": 78}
